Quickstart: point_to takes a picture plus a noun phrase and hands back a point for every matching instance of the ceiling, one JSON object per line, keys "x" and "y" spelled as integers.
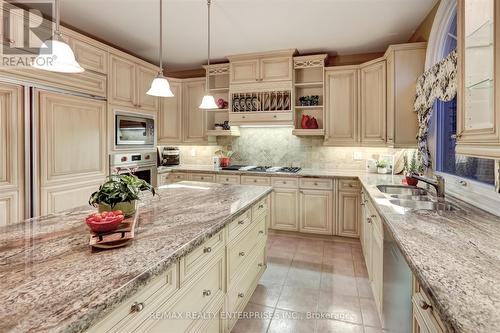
{"x": 243, "y": 26}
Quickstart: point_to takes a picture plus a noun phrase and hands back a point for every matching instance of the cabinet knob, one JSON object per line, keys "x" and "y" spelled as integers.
{"x": 261, "y": 206}
{"x": 242, "y": 254}
{"x": 369, "y": 220}
{"x": 463, "y": 183}
{"x": 207, "y": 249}
{"x": 243, "y": 117}
{"x": 260, "y": 265}
{"x": 255, "y": 180}
{"x": 275, "y": 116}
{"x": 284, "y": 182}
{"x": 136, "y": 307}
{"x": 241, "y": 295}
{"x": 241, "y": 222}
{"x": 261, "y": 232}
{"x": 207, "y": 292}
{"x": 315, "y": 184}
{"x": 424, "y": 305}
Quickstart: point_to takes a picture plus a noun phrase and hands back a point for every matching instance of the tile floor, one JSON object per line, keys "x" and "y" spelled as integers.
{"x": 312, "y": 285}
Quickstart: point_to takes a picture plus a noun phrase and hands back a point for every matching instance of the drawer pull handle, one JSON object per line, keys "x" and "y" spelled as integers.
{"x": 284, "y": 182}
{"x": 207, "y": 292}
{"x": 261, "y": 206}
{"x": 362, "y": 204}
{"x": 369, "y": 220}
{"x": 373, "y": 216}
{"x": 255, "y": 180}
{"x": 227, "y": 179}
{"x": 261, "y": 232}
{"x": 241, "y": 222}
{"x": 136, "y": 307}
{"x": 207, "y": 250}
{"x": 315, "y": 184}
{"x": 241, "y": 295}
{"x": 260, "y": 265}
{"x": 424, "y": 305}
{"x": 350, "y": 185}
{"x": 242, "y": 254}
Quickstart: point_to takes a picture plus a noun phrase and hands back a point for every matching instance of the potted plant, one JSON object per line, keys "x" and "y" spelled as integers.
{"x": 120, "y": 192}
{"x": 413, "y": 166}
{"x": 224, "y": 157}
{"x": 382, "y": 166}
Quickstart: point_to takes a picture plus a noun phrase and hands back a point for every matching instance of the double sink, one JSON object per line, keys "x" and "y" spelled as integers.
{"x": 413, "y": 197}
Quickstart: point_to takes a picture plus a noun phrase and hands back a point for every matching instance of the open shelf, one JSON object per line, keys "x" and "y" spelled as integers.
{"x": 308, "y": 107}
{"x": 217, "y": 110}
{"x": 318, "y": 84}
{"x": 219, "y": 89}
{"x": 234, "y": 131}
{"x": 308, "y": 132}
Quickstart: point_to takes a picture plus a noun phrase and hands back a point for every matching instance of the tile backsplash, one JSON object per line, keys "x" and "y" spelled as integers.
{"x": 278, "y": 147}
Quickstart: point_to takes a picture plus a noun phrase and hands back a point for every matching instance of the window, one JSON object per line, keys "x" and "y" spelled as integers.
{"x": 447, "y": 161}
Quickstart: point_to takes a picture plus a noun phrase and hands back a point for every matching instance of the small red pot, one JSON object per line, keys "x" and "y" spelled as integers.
{"x": 411, "y": 181}
{"x": 224, "y": 161}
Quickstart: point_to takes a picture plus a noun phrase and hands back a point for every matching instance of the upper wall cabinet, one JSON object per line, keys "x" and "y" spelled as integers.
{"x": 129, "y": 82}
{"x": 90, "y": 54}
{"x": 257, "y": 67}
{"x": 405, "y": 63}
{"x": 341, "y": 106}
{"x": 478, "y": 114}
{"x": 373, "y": 103}
{"x": 169, "y": 123}
{"x": 194, "y": 118}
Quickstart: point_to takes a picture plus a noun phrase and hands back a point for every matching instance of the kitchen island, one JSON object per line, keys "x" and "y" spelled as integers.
{"x": 52, "y": 280}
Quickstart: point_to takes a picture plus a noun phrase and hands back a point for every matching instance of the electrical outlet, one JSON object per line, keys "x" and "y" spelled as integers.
{"x": 357, "y": 155}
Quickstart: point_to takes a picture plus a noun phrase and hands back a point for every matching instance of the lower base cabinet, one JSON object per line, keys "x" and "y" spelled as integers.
{"x": 316, "y": 211}
{"x": 285, "y": 209}
{"x": 348, "y": 218}
{"x": 204, "y": 290}
{"x": 425, "y": 318}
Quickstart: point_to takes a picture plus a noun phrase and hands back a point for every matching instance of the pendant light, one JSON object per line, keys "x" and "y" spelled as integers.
{"x": 208, "y": 101}
{"x": 61, "y": 59}
{"x": 160, "y": 86}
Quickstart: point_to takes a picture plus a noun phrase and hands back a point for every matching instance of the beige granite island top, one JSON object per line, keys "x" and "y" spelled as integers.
{"x": 52, "y": 282}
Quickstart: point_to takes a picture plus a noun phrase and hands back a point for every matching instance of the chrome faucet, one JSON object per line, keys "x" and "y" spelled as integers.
{"x": 438, "y": 183}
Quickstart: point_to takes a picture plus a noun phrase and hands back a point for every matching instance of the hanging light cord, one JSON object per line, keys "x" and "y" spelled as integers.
{"x": 57, "y": 33}
{"x": 161, "y": 38}
{"x": 209, "y": 2}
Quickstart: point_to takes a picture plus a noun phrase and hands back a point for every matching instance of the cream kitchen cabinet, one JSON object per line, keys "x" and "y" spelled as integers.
{"x": 90, "y": 54}
{"x": 11, "y": 154}
{"x": 478, "y": 111}
{"x": 227, "y": 179}
{"x": 341, "y": 105}
{"x": 373, "y": 103}
{"x": 425, "y": 317}
{"x": 128, "y": 83}
{"x": 194, "y": 118}
{"x": 285, "y": 209}
{"x": 316, "y": 211}
{"x": 73, "y": 155}
{"x": 405, "y": 63}
{"x": 169, "y": 124}
{"x": 348, "y": 213}
{"x": 261, "y": 67}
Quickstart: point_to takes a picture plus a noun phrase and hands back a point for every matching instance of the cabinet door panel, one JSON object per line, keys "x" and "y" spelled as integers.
{"x": 342, "y": 107}
{"x": 170, "y": 116}
{"x": 194, "y": 117}
{"x": 122, "y": 82}
{"x": 89, "y": 57}
{"x": 11, "y": 154}
{"x": 72, "y": 138}
{"x": 377, "y": 267}
{"x": 285, "y": 209}
{"x": 244, "y": 71}
{"x": 55, "y": 199}
{"x": 144, "y": 78}
{"x": 316, "y": 212}
{"x": 373, "y": 104}
{"x": 276, "y": 69}
{"x": 348, "y": 214}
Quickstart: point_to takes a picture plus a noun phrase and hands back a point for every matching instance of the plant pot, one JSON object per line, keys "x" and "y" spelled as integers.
{"x": 382, "y": 170}
{"x": 411, "y": 181}
{"x": 128, "y": 207}
{"x": 224, "y": 161}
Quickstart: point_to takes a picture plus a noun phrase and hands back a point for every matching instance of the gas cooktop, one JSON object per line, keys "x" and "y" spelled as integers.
{"x": 260, "y": 168}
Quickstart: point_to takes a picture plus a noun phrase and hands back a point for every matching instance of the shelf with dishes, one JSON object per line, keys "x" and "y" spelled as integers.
{"x": 308, "y": 83}
{"x": 262, "y": 101}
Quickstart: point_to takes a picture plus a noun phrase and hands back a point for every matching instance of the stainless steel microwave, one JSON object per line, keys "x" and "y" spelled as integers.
{"x": 134, "y": 130}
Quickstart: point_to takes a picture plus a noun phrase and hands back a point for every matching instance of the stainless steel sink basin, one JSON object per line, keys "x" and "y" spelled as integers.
{"x": 425, "y": 205}
{"x": 411, "y": 197}
{"x": 402, "y": 189}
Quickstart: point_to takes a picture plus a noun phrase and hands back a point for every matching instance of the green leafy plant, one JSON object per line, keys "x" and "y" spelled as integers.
{"x": 224, "y": 153}
{"x": 120, "y": 188}
{"x": 414, "y": 164}
{"x": 382, "y": 164}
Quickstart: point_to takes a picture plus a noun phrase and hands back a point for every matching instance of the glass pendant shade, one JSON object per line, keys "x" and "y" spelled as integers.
{"x": 208, "y": 102}
{"x": 61, "y": 59}
{"x": 160, "y": 87}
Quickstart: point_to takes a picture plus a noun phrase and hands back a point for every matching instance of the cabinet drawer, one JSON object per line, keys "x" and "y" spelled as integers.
{"x": 228, "y": 179}
{"x": 124, "y": 319}
{"x": 239, "y": 251}
{"x": 195, "y": 260}
{"x": 349, "y": 185}
{"x": 260, "y": 117}
{"x": 163, "y": 179}
{"x": 239, "y": 224}
{"x": 374, "y": 218}
{"x": 285, "y": 182}
{"x": 239, "y": 293}
{"x": 195, "y": 298}
{"x": 316, "y": 183}
{"x": 202, "y": 177}
{"x": 177, "y": 177}
{"x": 260, "y": 208}
{"x": 425, "y": 315}
{"x": 255, "y": 180}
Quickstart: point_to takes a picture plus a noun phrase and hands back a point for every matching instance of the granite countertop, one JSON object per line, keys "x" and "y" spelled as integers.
{"x": 52, "y": 281}
{"x": 454, "y": 254}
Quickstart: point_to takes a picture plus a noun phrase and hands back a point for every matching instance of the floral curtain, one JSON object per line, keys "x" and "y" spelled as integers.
{"x": 438, "y": 82}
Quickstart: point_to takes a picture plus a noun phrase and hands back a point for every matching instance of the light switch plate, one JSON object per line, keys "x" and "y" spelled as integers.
{"x": 357, "y": 155}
